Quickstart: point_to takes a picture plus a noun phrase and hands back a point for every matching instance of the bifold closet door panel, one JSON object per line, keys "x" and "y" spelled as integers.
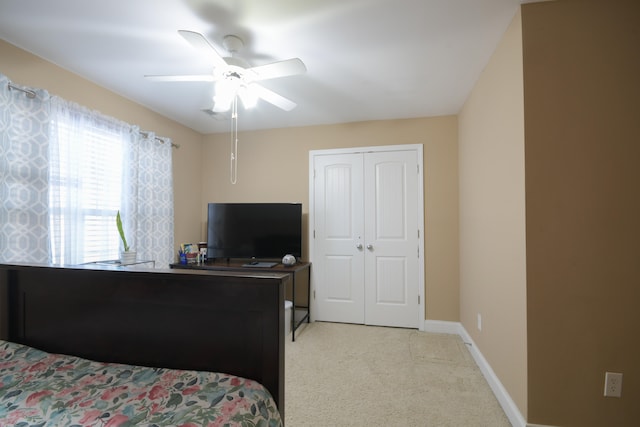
{"x": 391, "y": 237}
{"x": 339, "y": 259}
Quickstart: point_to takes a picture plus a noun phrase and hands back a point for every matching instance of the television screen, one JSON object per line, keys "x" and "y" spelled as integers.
{"x": 254, "y": 230}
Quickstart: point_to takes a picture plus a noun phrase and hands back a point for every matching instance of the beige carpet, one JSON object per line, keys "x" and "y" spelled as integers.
{"x": 353, "y": 375}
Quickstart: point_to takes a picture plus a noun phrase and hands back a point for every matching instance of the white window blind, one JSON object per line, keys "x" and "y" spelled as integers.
{"x": 85, "y": 189}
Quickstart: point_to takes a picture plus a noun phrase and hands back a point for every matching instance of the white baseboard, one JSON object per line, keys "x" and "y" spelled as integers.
{"x": 508, "y": 405}
{"x": 442, "y": 327}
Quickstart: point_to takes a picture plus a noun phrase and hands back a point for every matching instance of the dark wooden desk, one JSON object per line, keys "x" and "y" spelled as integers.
{"x": 299, "y": 292}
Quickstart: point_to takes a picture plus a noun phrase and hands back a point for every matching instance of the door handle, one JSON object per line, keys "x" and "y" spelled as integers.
{"x": 359, "y": 246}
{"x": 370, "y": 247}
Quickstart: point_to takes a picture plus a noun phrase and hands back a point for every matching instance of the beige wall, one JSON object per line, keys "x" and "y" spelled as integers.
{"x": 582, "y": 68}
{"x": 273, "y": 165}
{"x": 492, "y": 216}
{"x": 26, "y": 69}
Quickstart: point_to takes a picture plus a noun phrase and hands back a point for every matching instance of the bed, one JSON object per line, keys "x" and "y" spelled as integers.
{"x": 107, "y": 347}
{"x": 44, "y": 389}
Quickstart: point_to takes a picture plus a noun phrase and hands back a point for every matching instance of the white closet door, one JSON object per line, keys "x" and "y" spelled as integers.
{"x": 338, "y": 265}
{"x": 365, "y": 255}
{"x": 391, "y": 238}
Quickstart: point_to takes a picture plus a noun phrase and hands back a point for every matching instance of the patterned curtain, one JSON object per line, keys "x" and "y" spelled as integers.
{"x": 147, "y": 205}
{"x": 24, "y": 169}
{"x": 56, "y": 193}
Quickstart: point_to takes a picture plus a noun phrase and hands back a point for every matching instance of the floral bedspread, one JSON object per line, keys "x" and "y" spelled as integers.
{"x": 43, "y": 389}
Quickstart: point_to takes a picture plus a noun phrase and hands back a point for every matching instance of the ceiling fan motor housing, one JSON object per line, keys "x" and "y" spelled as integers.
{"x": 232, "y": 43}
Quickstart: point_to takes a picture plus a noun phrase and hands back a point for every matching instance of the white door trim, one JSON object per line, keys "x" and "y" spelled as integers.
{"x": 406, "y": 147}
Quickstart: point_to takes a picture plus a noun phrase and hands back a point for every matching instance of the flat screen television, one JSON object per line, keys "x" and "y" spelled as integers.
{"x": 254, "y": 230}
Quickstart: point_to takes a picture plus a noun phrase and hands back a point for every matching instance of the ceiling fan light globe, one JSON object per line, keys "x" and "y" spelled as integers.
{"x": 217, "y": 108}
{"x": 221, "y": 104}
{"x": 226, "y": 90}
{"x": 248, "y": 97}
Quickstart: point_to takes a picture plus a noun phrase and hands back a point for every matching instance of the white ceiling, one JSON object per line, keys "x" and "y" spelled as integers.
{"x": 366, "y": 59}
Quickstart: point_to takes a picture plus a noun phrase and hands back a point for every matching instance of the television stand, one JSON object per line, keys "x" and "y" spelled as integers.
{"x": 297, "y": 290}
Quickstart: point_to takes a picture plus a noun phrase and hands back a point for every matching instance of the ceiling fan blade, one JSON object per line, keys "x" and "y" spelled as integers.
{"x": 185, "y": 78}
{"x": 198, "y": 41}
{"x": 272, "y": 97}
{"x": 288, "y": 67}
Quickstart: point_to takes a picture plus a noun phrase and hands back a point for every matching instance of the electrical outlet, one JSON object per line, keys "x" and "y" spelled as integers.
{"x": 479, "y": 322}
{"x": 612, "y": 384}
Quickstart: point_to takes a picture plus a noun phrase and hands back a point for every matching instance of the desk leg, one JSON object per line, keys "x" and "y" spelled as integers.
{"x": 309, "y": 294}
{"x": 294, "y": 322}
{"x": 293, "y": 307}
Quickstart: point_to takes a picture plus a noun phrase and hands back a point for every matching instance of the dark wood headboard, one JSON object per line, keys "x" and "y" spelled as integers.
{"x": 195, "y": 320}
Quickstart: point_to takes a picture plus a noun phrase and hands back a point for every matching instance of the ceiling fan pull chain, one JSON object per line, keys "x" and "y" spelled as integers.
{"x": 234, "y": 140}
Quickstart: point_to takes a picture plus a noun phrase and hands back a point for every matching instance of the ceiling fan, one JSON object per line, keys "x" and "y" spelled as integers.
{"x": 234, "y": 77}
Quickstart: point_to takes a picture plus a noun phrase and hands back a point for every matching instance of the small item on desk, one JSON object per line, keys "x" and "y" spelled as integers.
{"x": 182, "y": 256}
{"x": 260, "y": 264}
{"x": 190, "y": 251}
{"x": 289, "y": 260}
{"x": 202, "y": 249}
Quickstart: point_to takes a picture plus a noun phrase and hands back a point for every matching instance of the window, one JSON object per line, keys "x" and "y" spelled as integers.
{"x": 85, "y": 190}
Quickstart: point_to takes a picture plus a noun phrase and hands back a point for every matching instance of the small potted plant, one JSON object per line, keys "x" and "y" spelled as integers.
{"x": 127, "y": 256}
